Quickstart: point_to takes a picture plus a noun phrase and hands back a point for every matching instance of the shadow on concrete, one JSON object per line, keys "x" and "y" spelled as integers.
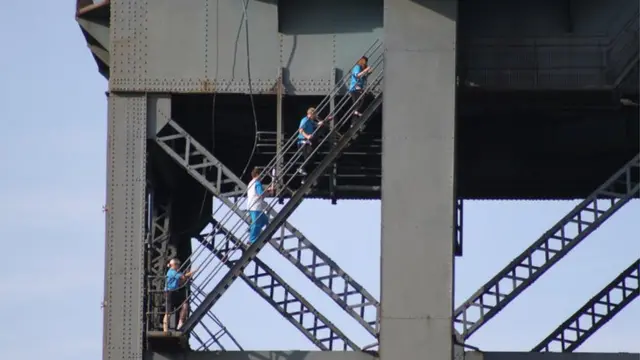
{"x": 446, "y": 8}
{"x": 316, "y": 17}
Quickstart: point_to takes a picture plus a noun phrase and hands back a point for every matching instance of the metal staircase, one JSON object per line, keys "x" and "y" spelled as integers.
{"x": 287, "y": 301}
{"x": 231, "y": 219}
{"x": 552, "y": 246}
{"x": 595, "y": 313}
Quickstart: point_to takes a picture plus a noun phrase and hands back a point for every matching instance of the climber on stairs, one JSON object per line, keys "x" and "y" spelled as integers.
{"x": 306, "y": 137}
{"x": 175, "y": 294}
{"x": 256, "y": 205}
{"x": 358, "y": 82}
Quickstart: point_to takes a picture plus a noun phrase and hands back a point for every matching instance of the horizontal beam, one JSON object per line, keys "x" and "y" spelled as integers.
{"x": 262, "y": 355}
{"x": 350, "y": 355}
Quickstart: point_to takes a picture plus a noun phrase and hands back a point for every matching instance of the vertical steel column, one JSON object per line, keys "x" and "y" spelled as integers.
{"x": 125, "y": 227}
{"x": 459, "y": 213}
{"x": 279, "y": 130}
{"x": 334, "y": 167}
{"x": 418, "y": 179}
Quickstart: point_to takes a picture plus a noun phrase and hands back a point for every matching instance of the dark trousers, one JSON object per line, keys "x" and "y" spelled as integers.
{"x": 356, "y": 101}
{"x": 176, "y": 302}
{"x": 307, "y": 148}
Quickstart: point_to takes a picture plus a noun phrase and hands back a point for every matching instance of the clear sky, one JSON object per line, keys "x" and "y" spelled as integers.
{"x": 52, "y": 183}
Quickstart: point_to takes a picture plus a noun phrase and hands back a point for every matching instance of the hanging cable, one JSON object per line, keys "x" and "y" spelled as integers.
{"x": 245, "y": 15}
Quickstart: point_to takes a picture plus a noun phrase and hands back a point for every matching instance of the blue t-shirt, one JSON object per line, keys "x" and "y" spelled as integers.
{"x": 308, "y": 126}
{"x": 259, "y": 189}
{"x": 173, "y": 280}
{"x": 361, "y": 82}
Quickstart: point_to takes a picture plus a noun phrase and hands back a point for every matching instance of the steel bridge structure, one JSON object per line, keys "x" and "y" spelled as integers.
{"x": 188, "y": 78}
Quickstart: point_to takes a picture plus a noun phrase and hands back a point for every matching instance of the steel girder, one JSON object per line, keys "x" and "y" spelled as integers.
{"x": 266, "y": 283}
{"x": 280, "y": 220}
{"x": 552, "y": 246}
{"x": 294, "y": 246}
{"x": 595, "y": 313}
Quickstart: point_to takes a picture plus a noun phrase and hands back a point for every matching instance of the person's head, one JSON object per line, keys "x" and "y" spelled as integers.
{"x": 255, "y": 173}
{"x": 363, "y": 61}
{"x": 311, "y": 113}
{"x": 174, "y": 264}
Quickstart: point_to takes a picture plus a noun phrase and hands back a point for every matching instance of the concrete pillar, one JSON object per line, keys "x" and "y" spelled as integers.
{"x": 418, "y": 179}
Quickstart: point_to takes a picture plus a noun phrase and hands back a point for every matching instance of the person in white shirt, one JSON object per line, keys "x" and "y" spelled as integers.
{"x": 256, "y": 205}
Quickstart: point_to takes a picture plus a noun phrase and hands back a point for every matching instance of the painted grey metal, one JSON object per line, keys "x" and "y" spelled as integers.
{"x": 294, "y": 246}
{"x": 212, "y": 52}
{"x": 207, "y": 51}
{"x": 159, "y": 105}
{"x": 604, "y": 306}
{"x": 280, "y": 219}
{"x": 288, "y": 302}
{"x": 125, "y": 227}
{"x": 318, "y": 35}
{"x": 128, "y": 52}
{"x": 97, "y": 30}
{"x": 96, "y": 34}
{"x": 552, "y": 246}
{"x": 418, "y": 196}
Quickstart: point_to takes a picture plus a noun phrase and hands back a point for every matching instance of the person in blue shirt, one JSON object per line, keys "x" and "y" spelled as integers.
{"x": 306, "y": 137}
{"x": 358, "y": 82}
{"x": 256, "y": 205}
{"x": 174, "y": 294}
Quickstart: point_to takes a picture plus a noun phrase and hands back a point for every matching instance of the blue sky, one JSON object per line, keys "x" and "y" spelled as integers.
{"x": 52, "y": 161}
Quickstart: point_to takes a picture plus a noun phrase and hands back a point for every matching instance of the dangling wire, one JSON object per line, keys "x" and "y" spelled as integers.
{"x": 245, "y": 16}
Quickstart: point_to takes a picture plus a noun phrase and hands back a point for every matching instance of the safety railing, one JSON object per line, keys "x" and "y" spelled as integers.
{"x": 234, "y": 217}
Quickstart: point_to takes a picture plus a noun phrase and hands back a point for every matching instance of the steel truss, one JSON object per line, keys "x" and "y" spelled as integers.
{"x": 159, "y": 251}
{"x": 595, "y": 313}
{"x": 280, "y": 219}
{"x": 552, "y": 246}
{"x": 280, "y": 295}
{"x": 294, "y": 246}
